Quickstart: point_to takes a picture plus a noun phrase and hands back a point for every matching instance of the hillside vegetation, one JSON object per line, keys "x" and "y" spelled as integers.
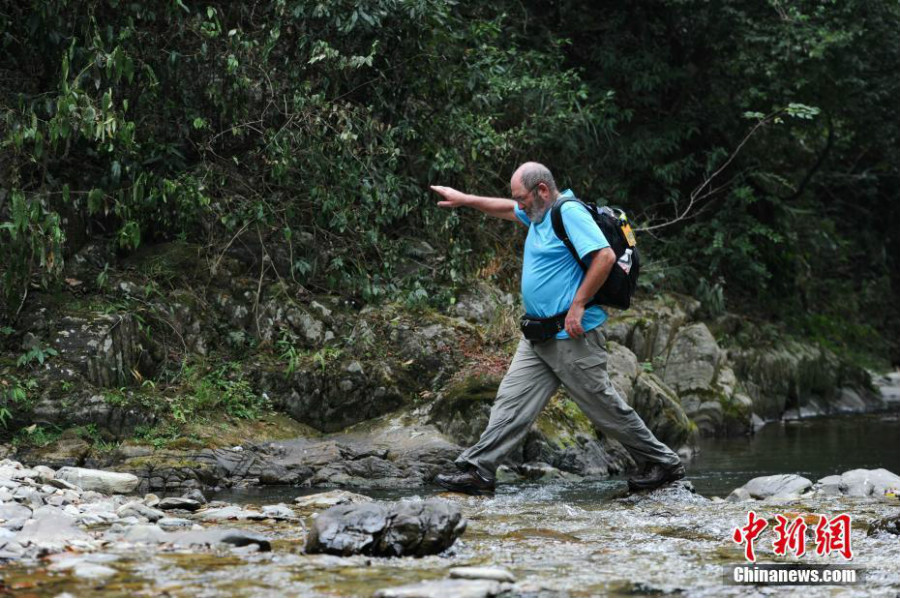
{"x": 756, "y": 143}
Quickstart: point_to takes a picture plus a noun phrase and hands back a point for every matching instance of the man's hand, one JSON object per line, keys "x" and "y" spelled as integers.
{"x": 498, "y": 207}
{"x": 573, "y": 320}
{"x": 452, "y": 197}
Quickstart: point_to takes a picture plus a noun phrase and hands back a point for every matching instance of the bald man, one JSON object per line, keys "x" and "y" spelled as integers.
{"x": 555, "y": 289}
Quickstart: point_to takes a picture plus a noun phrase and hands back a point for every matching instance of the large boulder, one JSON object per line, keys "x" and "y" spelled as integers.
{"x": 693, "y": 359}
{"x": 402, "y": 529}
{"x": 861, "y": 483}
{"x": 104, "y": 348}
{"x": 107, "y": 482}
{"x": 658, "y": 406}
{"x": 778, "y": 487}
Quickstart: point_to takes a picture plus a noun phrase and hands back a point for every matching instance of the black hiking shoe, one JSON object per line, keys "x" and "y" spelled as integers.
{"x": 468, "y": 482}
{"x": 655, "y": 475}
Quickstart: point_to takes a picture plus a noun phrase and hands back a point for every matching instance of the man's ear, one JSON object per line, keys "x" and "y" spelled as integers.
{"x": 543, "y": 190}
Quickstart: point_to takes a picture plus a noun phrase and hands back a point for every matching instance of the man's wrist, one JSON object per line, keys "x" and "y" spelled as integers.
{"x": 579, "y": 302}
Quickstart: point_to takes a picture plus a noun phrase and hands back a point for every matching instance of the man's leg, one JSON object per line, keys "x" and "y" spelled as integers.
{"x": 581, "y": 365}
{"x": 527, "y": 386}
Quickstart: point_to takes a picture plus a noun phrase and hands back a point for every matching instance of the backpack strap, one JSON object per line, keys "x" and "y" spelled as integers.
{"x": 559, "y": 228}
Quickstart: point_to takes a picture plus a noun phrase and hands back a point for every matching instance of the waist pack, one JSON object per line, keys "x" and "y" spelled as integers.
{"x": 622, "y": 281}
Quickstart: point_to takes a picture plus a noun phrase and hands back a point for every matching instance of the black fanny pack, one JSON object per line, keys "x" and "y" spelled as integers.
{"x": 541, "y": 329}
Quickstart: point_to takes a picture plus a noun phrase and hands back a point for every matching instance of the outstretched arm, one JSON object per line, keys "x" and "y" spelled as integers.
{"x": 498, "y": 207}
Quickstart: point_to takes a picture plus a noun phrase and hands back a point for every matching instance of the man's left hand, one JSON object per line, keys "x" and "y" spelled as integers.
{"x": 573, "y": 321}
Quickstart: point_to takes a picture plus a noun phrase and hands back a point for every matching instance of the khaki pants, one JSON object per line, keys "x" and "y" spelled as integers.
{"x": 534, "y": 375}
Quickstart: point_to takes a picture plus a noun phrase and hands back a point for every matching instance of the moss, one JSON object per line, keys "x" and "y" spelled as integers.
{"x": 562, "y": 421}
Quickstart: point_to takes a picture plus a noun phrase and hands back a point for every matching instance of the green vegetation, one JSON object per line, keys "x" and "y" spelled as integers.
{"x": 757, "y": 141}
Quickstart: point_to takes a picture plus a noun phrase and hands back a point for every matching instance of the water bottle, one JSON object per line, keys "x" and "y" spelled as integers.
{"x": 625, "y": 261}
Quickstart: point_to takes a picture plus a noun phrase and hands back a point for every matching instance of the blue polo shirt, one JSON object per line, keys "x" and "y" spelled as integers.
{"x": 550, "y": 275}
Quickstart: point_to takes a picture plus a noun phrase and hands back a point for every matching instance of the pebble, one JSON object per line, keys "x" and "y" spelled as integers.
{"x": 170, "y": 524}
{"x": 458, "y": 588}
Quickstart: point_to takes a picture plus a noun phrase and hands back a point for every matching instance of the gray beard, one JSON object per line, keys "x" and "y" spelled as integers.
{"x": 537, "y": 213}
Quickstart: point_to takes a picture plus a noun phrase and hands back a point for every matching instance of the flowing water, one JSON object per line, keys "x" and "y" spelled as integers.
{"x": 558, "y": 539}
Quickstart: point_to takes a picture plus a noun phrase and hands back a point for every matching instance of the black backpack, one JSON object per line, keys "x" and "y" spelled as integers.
{"x": 619, "y": 287}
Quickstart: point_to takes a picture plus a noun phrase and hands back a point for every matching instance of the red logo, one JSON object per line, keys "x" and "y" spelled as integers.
{"x": 831, "y": 535}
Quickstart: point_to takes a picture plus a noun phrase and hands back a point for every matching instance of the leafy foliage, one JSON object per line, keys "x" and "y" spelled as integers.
{"x": 309, "y": 132}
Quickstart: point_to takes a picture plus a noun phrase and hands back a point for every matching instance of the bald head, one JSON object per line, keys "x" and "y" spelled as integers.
{"x": 530, "y": 174}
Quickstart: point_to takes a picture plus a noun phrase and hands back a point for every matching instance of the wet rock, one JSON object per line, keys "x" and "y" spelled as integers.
{"x": 229, "y": 512}
{"x": 659, "y": 407}
{"x": 195, "y": 494}
{"x": 107, "y": 482}
{"x": 278, "y": 512}
{"x": 492, "y": 573}
{"x": 858, "y": 483}
{"x": 173, "y": 502}
{"x": 889, "y": 525}
{"x": 143, "y": 534}
{"x": 171, "y": 524}
{"x": 782, "y": 486}
{"x": 739, "y": 495}
{"x": 324, "y": 500}
{"x": 458, "y": 588}
{"x": 12, "y": 511}
{"x": 139, "y": 509}
{"x": 51, "y": 528}
{"x": 222, "y": 536}
{"x": 681, "y": 491}
{"x": 406, "y": 528}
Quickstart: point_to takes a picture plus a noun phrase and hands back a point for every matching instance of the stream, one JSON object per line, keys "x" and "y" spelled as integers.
{"x": 560, "y": 539}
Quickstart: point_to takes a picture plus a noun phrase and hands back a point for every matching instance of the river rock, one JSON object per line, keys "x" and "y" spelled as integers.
{"x": 12, "y": 510}
{"x": 195, "y": 494}
{"x": 858, "y": 483}
{"x": 171, "y": 524}
{"x": 324, "y": 500}
{"x": 492, "y": 573}
{"x": 211, "y": 537}
{"x": 107, "y": 482}
{"x": 890, "y": 525}
{"x": 139, "y": 509}
{"x": 781, "y": 487}
{"x": 457, "y": 588}
{"x": 278, "y": 512}
{"x": 173, "y": 502}
{"x": 401, "y": 529}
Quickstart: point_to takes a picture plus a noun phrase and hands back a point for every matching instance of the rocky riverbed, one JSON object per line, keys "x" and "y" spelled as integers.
{"x": 552, "y": 539}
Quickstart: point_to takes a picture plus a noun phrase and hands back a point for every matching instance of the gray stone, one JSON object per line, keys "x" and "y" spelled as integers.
{"x": 195, "y": 494}
{"x": 406, "y": 528}
{"x": 151, "y": 500}
{"x": 173, "y": 502}
{"x": 457, "y": 588}
{"x": 279, "y": 512}
{"x": 229, "y": 512}
{"x": 858, "y": 483}
{"x": 693, "y": 359}
{"x": 739, "y": 495}
{"x": 324, "y": 500}
{"x": 107, "y": 482}
{"x": 212, "y": 537}
{"x": 92, "y": 571}
{"x": 171, "y": 524}
{"x": 44, "y": 473}
{"x": 145, "y": 534}
{"x": 492, "y": 573}
{"x": 139, "y": 509}
{"x": 10, "y": 511}
{"x": 887, "y": 525}
{"x": 781, "y": 486}
{"x": 660, "y": 409}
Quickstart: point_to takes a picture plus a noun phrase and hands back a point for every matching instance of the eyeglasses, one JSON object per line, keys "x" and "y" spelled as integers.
{"x": 528, "y": 192}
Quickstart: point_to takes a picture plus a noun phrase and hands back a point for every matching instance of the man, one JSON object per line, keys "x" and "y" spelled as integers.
{"x": 553, "y": 283}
